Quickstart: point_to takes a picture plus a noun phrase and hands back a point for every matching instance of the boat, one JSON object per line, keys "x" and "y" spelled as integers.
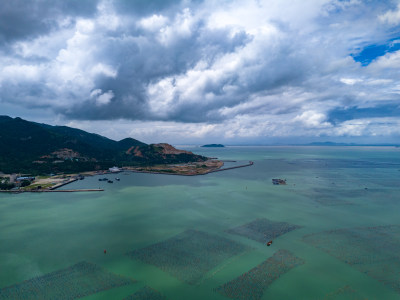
{"x": 278, "y": 181}
{"x": 117, "y": 179}
{"x": 110, "y": 181}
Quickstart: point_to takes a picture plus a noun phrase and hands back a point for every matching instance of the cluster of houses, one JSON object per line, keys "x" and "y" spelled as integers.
{"x": 19, "y": 180}
{"x": 14, "y": 181}
{"x": 14, "y": 178}
{"x": 114, "y": 170}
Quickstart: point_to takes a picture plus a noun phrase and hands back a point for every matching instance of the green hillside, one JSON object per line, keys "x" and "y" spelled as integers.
{"x": 29, "y": 147}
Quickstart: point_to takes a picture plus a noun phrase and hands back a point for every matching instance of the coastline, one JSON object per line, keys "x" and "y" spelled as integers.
{"x": 51, "y": 191}
{"x": 188, "y": 169}
{"x": 197, "y": 174}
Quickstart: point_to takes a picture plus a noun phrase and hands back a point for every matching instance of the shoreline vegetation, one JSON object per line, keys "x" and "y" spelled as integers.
{"x": 43, "y": 158}
{"x": 52, "y": 183}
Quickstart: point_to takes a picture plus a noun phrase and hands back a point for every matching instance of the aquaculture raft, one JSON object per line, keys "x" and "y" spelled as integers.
{"x": 190, "y": 255}
{"x": 146, "y": 293}
{"x": 278, "y": 181}
{"x": 374, "y": 251}
{"x": 79, "y": 280}
{"x": 263, "y": 230}
{"x": 251, "y": 285}
{"x": 345, "y": 292}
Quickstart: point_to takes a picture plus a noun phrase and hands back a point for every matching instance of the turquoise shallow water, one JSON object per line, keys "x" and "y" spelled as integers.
{"x": 328, "y": 188}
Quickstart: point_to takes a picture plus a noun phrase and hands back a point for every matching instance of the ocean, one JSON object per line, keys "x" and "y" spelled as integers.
{"x": 334, "y": 227}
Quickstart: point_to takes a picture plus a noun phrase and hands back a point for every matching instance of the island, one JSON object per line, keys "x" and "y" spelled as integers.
{"x": 213, "y": 146}
{"x": 41, "y": 157}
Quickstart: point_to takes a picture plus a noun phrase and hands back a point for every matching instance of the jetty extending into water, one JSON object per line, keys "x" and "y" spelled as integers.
{"x": 234, "y": 167}
{"x": 250, "y": 163}
{"x": 77, "y": 190}
{"x": 62, "y": 184}
{"x": 56, "y": 187}
{"x": 50, "y": 191}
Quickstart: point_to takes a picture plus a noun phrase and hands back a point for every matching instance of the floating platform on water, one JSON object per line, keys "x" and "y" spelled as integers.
{"x": 262, "y": 230}
{"x": 79, "y": 280}
{"x": 278, "y": 181}
{"x": 190, "y": 255}
{"x": 253, "y": 283}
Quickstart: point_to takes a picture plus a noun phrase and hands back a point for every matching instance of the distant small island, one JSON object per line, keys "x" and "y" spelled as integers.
{"x": 213, "y": 146}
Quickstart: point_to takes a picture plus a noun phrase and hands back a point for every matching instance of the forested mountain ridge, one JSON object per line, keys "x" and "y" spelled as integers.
{"x": 29, "y": 147}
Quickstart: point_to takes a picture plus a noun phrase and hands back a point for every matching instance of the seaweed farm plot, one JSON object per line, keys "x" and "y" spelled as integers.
{"x": 79, "y": 280}
{"x": 262, "y": 230}
{"x": 329, "y": 197}
{"x": 146, "y": 293}
{"x": 374, "y": 251}
{"x": 190, "y": 255}
{"x": 345, "y": 292}
{"x": 331, "y": 201}
{"x": 251, "y": 285}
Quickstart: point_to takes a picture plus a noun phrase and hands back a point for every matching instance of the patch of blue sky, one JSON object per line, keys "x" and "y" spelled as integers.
{"x": 367, "y": 54}
{"x": 343, "y": 114}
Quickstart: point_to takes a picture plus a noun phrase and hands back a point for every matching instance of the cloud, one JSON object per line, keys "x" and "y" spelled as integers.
{"x": 102, "y": 98}
{"x": 312, "y": 119}
{"x": 391, "y": 17}
{"x": 230, "y": 69}
{"x": 20, "y": 19}
{"x": 387, "y": 62}
{"x": 153, "y": 23}
{"x": 350, "y": 81}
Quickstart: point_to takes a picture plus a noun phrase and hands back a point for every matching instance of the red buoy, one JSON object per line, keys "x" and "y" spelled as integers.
{"x": 105, "y": 251}
{"x": 269, "y": 243}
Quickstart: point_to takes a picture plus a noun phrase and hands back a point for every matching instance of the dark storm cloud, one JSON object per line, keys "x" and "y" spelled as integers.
{"x": 259, "y": 66}
{"x": 20, "y": 19}
{"x": 145, "y": 8}
{"x": 344, "y": 114}
{"x": 142, "y": 61}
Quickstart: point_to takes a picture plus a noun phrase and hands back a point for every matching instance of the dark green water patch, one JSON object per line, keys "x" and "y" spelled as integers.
{"x": 374, "y": 251}
{"x": 331, "y": 201}
{"x": 262, "y": 230}
{"x": 333, "y": 197}
{"x": 252, "y": 284}
{"x": 146, "y": 293}
{"x": 189, "y": 255}
{"x": 332, "y": 163}
{"x": 79, "y": 280}
{"x": 336, "y": 196}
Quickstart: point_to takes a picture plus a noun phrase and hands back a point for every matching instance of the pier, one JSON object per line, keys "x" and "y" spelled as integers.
{"x": 235, "y": 167}
{"x": 50, "y": 191}
{"x": 62, "y": 184}
{"x": 69, "y": 191}
{"x": 194, "y": 174}
{"x": 55, "y": 188}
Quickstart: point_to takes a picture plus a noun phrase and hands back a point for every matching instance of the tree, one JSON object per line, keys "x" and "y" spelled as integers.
{"x": 25, "y": 183}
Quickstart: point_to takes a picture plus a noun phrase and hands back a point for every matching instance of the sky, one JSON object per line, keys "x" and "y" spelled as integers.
{"x": 205, "y": 71}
